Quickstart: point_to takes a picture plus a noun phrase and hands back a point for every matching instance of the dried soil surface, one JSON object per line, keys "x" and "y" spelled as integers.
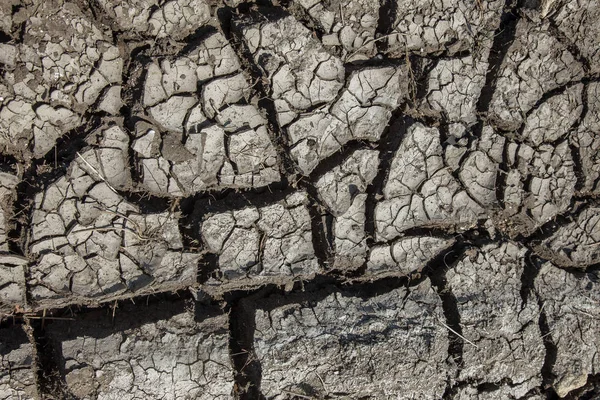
{"x": 299, "y": 199}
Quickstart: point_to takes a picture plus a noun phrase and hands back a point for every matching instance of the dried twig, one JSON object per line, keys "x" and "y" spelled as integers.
{"x": 97, "y": 173}
{"x": 458, "y": 334}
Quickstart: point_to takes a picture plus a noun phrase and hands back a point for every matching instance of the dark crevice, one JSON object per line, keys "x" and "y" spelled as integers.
{"x": 591, "y": 390}
{"x": 388, "y": 145}
{"x": 196, "y": 38}
{"x": 421, "y": 85}
{"x": 531, "y": 269}
{"x": 132, "y": 92}
{"x": 547, "y": 96}
{"x": 436, "y": 270}
{"x": 279, "y": 138}
{"x": 4, "y": 37}
{"x": 321, "y": 238}
{"x": 303, "y": 16}
{"x": 147, "y": 203}
{"x": 574, "y": 144}
{"x": 227, "y": 141}
{"x": 196, "y": 207}
{"x": 248, "y": 371}
{"x": 551, "y": 227}
{"x": 503, "y": 39}
{"x": 391, "y": 140}
{"x": 62, "y": 154}
{"x": 550, "y": 346}
{"x": 385, "y": 24}
{"x": 134, "y": 75}
{"x": 50, "y": 376}
{"x": 577, "y": 167}
{"x": 208, "y": 268}
{"x": 338, "y": 158}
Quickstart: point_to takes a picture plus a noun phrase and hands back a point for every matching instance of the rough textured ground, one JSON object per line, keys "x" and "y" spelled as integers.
{"x": 299, "y": 199}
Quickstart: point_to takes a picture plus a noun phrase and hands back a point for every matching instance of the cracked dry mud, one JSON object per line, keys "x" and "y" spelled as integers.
{"x": 299, "y": 199}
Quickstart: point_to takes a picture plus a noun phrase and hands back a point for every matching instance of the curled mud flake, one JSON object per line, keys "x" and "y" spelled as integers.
{"x": 535, "y": 64}
{"x": 108, "y": 72}
{"x": 420, "y": 190}
{"x": 154, "y": 92}
{"x": 350, "y": 240}
{"x": 107, "y": 160}
{"x": 111, "y": 101}
{"x": 570, "y": 305}
{"x": 434, "y": 27}
{"x": 262, "y": 245}
{"x": 502, "y": 337}
{"x": 50, "y": 124}
{"x": 576, "y": 245}
{"x": 478, "y": 174}
{"x": 254, "y": 157}
{"x": 7, "y": 21}
{"x": 17, "y": 119}
{"x": 324, "y": 346}
{"x": 157, "y": 351}
{"x": 361, "y": 112}
{"x": 18, "y": 372}
{"x": 147, "y": 142}
{"x": 405, "y": 255}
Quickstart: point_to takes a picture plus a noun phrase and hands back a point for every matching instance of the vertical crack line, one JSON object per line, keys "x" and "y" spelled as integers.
{"x": 575, "y": 147}
{"x": 208, "y": 267}
{"x": 436, "y": 270}
{"x": 320, "y": 228}
{"x": 385, "y": 22}
{"x": 20, "y": 228}
{"x": 248, "y": 371}
{"x": 530, "y": 272}
{"x": 261, "y": 85}
{"x": 504, "y": 37}
{"x": 21, "y": 219}
{"x": 549, "y": 344}
{"x": 49, "y": 375}
{"x": 388, "y": 145}
{"x": 502, "y": 175}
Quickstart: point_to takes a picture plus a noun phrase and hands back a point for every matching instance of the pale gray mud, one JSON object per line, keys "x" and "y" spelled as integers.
{"x": 299, "y": 199}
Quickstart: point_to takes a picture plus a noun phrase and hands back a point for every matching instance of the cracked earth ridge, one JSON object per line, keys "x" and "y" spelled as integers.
{"x": 299, "y": 199}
